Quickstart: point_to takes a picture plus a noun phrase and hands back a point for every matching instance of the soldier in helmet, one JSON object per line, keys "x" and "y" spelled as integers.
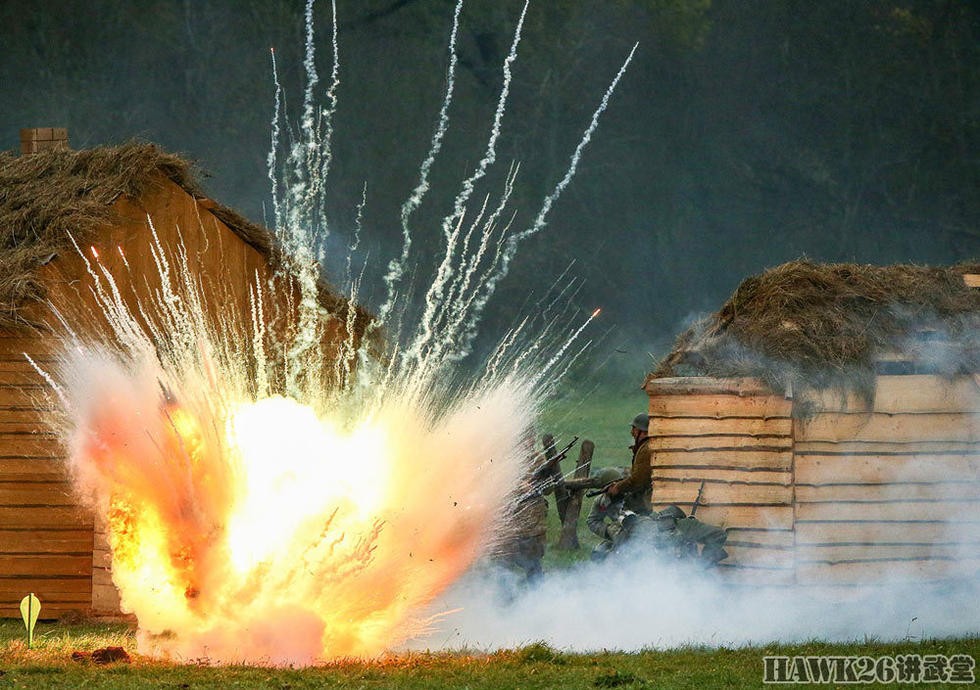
{"x": 635, "y": 488}
{"x": 603, "y": 519}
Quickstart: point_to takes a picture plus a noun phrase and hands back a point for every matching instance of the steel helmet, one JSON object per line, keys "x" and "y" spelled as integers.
{"x": 642, "y": 422}
{"x": 606, "y": 475}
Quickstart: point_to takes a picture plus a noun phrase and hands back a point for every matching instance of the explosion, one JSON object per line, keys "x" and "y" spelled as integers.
{"x": 294, "y": 489}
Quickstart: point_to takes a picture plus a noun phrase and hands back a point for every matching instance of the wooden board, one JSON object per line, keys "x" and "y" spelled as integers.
{"x": 741, "y": 574}
{"x": 885, "y": 571}
{"x": 904, "y": 511}
{"x": 24, "y": 395}
{"x": 714, "y": 494}
{"x": 46, "y": 588}
{"x": 760, "y": 537}
{"x": 886, "y": 533}
{"x": 721, "y": 442}
{"x": 720, "y": 406}
{"x": 869, "y": 469}
{"x": 58, "y": 565}
{"x": 848, "y": 553}
{"x": 30, "y": 446}
{"x": 44, "y": 518}
{"x": 762, "y": 517}
{"x": 890, "y": 428}
{"x": 36, "y": 469}
{"x": 50, "y": 611}
{"x": 884, "y": 447}
{"x": 768, "y": 460}
{"x": 905, "y": 394}
{"x": 759, "y": 557}
{"x": 699, "y": 385}
{"x": 738, "y": 475}
{"x": 36, "y": 494}
{"x": 889, "y": 492}
{"x": 708, "y": 426}
{"x": 45, "y": 541}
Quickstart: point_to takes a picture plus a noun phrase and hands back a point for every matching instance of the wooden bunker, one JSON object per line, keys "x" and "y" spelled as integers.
{"x": 104, "y": 199}
{"x": 832, "y": 414}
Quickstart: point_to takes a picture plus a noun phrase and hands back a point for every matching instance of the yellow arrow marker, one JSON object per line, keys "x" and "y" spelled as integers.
{"x": 30, "y": 607}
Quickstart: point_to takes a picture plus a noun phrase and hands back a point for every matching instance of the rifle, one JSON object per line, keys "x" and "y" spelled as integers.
{"x": 697, "y": 501}
{"x": 600, "y": 491}
{"x": 552, "y": 463}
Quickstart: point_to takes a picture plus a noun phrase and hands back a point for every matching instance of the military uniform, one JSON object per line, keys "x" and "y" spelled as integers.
{"x": 668, "y": 531}
{"x": 637, "y": 487}
{"x": 530, "y": 525}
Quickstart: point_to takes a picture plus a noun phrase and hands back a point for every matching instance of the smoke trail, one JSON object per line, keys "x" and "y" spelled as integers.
{"x": 396, "y": 267}
{"x": 489, "y": 286}
{"x": 435, "y": 298}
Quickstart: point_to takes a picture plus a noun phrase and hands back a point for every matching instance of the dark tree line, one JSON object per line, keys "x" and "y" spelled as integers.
{"x": 746, "y": 133}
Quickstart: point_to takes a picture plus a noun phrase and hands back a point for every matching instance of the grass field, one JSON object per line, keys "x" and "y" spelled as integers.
{"x": 49, "y": 665}
{"x": 602, "y": 416}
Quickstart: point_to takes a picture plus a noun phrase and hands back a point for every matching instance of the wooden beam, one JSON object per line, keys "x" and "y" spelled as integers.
{"x": 869, "y": 469}
{"x": 760, "y": 537}
{"x": 886, "y": 533}
{"x": 876, "y": 493}
{"x": 45, "y": 541}
{"x": 898, "y": 511}
{"x": 58, "y": 565}
{"x": 708, "y": 426}
{"x": 733, "y": 475}
{"x": 886, "y": 571}
{"x": 718, "y": 406}
{"x": 721, "y": 442}
{"x": 569, "y": 529}
{"x": 884, "y": 447}
{"x": 697, "y": 385}
{"x": 716, "y": 493}
{"x": 748, "y": 459}
{"x": 758, "y": 517}
{"x": 44, "y": 518}
{"x": 855, "y": 553}
{"x": 891, "y": 428}
{"x": 917, "y": 393}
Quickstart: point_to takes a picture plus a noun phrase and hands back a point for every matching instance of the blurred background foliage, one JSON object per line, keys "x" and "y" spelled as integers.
{"x": 745, "y": 133}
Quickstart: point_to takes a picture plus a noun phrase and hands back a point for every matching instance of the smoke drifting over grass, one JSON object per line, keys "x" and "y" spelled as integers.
{"x": 642, "y": 601}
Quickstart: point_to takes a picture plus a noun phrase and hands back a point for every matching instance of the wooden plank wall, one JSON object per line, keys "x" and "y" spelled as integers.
{"x": 736, "y": 437}
{"x": 890, "y": 492}
{"x": 45, "y": 537}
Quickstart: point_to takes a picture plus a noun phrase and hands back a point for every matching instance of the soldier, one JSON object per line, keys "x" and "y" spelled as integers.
{"x": 530, "y": 517}
{"x": 668, "y": 531}
{"x": 603, "y": 518}
{"x": 635, "y": 488}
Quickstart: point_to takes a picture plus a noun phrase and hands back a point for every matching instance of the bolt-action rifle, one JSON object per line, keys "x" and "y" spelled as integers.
{"x": 697, "y": 501}
{"x": 549, "y": 468}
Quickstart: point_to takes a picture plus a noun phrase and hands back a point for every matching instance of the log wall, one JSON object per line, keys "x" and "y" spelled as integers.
{"x": 735, "y": 436}
{"x": 856, "y": 493}
{"x": 890, "y": 491}
{"x": 45, "y": 537}
{"x": 48, "y": 544}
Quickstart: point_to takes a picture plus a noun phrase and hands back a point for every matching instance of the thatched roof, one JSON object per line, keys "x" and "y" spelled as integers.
{"x": 804, "y": 324}
{"x": 46, "y": 195}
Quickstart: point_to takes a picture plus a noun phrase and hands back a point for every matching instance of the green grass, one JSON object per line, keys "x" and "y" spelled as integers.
{"x": 49, "y": 665}
{"x": 602, "y": 416}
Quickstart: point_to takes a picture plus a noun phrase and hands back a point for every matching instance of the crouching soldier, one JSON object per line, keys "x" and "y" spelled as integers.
{"x": 604, "y": 517}
{"x": 668, "y": 531}
{"x": 687, "y": 537}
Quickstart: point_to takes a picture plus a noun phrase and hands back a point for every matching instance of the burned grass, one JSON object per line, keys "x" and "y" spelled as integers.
{"x": 825, "y": 325}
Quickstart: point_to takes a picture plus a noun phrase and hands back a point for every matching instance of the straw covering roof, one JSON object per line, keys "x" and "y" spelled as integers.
{"x": 47, "y": 195}
{"x": 805, "y": 324}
